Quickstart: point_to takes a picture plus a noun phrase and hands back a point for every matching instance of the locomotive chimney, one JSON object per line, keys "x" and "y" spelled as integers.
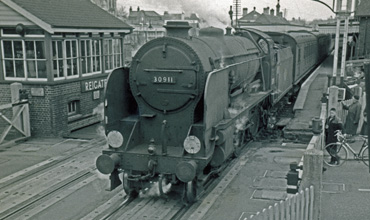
{"x": 245, "y": 11}
{"x": 177, "y": 28}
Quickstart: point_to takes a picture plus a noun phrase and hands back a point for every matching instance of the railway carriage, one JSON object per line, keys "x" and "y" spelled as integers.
{"x": 188, "y": 104}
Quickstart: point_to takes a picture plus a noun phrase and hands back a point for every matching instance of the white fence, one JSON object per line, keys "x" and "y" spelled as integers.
{"x": 295, "y": 207}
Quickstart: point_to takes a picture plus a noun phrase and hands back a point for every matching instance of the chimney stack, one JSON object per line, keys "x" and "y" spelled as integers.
{"x": 245, "y": 11}
{"x": 272, "y": 12}
{"x": 266, "y": 10}
{"x": 280, "y": 14}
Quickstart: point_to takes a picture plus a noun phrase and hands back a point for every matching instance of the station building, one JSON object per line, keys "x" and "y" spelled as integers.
{"x": 61, "y": 52}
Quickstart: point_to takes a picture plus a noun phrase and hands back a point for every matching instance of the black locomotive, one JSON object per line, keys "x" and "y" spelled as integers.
{"x": 188, "y": 104}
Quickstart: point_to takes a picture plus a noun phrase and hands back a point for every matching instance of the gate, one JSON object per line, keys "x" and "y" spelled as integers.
{"x": 14, "y": 117}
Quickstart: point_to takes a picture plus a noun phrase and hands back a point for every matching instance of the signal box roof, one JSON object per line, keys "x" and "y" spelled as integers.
{"x": 67, "y": 14}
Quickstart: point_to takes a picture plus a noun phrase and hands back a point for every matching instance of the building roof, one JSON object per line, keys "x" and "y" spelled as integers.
{"x": 362, "y": 8}
{"x": 151, "y": 14}
{"x": 271, "y": 19}
{"x": 67, "y": 14}
{"x": 134, "y": 14}
{"x": 169, "y": 16}
{"x": 193, "y": 16}
{"x": 251, "y": 16}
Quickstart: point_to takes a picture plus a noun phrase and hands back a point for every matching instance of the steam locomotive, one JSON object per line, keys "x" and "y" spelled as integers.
{"x": 187, "y": 104}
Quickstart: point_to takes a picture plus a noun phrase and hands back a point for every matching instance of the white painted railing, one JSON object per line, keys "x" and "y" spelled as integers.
{"x": 295, "y": 207}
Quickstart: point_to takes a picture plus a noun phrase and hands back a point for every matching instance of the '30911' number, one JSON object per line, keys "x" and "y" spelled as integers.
{"x": 163, "y": 79}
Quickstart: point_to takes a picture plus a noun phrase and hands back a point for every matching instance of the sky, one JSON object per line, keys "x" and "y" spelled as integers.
{"x": 217, "y": 10}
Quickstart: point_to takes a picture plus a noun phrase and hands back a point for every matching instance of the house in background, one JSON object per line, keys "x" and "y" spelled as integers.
{"x": 148, "y": 25}
{"x": 62, "y": 53}
{"x": 249, "y": 17}
{"x": 270, "y": 20}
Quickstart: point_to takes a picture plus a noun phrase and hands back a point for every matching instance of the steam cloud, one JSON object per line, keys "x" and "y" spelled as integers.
{"x": 99, "y": 110}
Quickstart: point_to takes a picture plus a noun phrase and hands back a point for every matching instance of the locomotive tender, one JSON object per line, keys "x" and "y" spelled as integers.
{"x": 188, "y": 104}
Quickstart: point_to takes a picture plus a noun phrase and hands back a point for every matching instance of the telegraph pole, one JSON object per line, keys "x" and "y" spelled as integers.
{"x": 346, "y": 14}
{"x": 336, "y": 50}
{"x": 237, "y": 7}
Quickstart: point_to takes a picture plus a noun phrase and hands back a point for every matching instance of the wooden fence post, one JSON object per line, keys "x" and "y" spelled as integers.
{"x": 270, "y": 213}
{"x": 287, "y": 208}
{"x": 302, "y": 204}
{"x": 282, "y": 210}
{"x": 276, "y": 211}
{"x": 312, "y": 176}
{"x": 307, "y": 203}
{"x": 333, "y": 97}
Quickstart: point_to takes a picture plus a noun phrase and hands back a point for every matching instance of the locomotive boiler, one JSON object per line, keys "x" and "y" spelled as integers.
{"x": 187, "y": 104}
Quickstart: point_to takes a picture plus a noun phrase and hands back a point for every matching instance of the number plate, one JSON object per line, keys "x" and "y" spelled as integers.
{"x": 164, "y": 79}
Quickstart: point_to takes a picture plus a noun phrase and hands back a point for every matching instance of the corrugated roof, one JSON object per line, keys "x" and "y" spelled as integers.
{"x": 363, "y": 8}
{"x": 71, "y": 14}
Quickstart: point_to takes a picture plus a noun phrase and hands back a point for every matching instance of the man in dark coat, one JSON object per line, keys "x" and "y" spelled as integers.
{"x": 333, "y": 123}
{"x": 353, "y": 116}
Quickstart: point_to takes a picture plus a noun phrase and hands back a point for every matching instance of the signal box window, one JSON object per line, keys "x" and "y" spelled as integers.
{"x": 65, "y": 63}
{"x": 24, "y": 59}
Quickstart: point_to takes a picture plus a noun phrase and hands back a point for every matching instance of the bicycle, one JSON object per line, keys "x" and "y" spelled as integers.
{"x": 335, "y": 154}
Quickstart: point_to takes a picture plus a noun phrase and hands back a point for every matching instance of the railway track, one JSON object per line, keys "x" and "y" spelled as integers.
{"x": 41, "y": 191}
{"x": 172, "y": 207}
{"x": 34, "y": 189}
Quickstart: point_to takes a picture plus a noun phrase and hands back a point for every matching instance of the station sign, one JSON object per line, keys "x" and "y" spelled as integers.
{"x": 93, "y": 85}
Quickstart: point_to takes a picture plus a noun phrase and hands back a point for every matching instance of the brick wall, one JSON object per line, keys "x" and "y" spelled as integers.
{"x": 49, "y": 112}
{"x": 5, "y": 98}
